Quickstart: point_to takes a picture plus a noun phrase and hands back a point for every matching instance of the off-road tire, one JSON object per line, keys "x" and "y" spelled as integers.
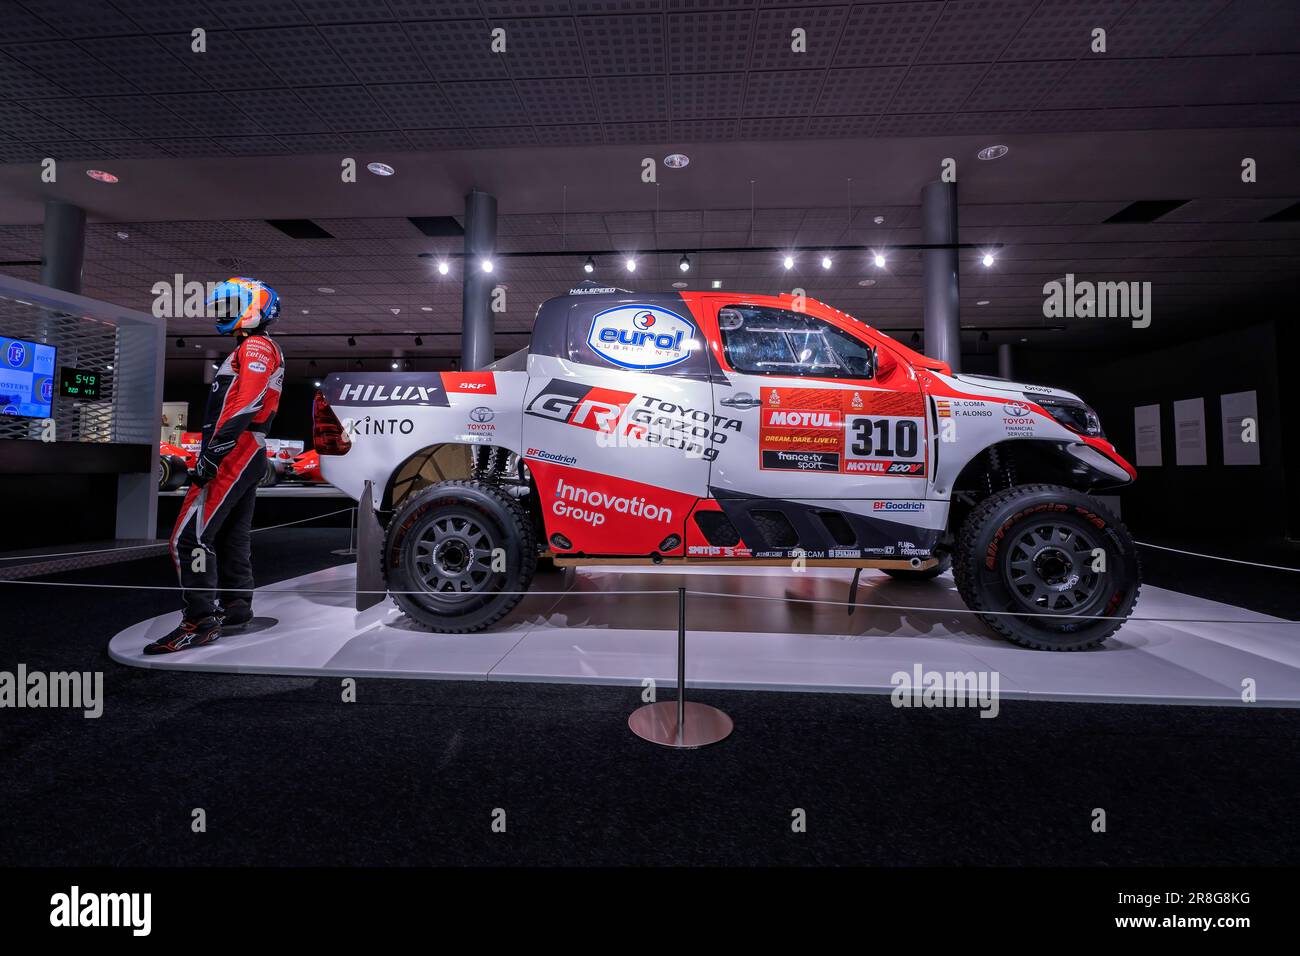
{"x": 497, "y": 520}
{"x": 929, "y": 574}
{"x": 997, "y": 567}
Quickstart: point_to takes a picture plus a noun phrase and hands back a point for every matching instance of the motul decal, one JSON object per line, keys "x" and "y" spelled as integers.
{"x": 842, "y": 431}
{"x": 470, "y": 383}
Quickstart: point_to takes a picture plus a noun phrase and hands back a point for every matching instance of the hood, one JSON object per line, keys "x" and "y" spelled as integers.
{"x": 1018, "y": 388}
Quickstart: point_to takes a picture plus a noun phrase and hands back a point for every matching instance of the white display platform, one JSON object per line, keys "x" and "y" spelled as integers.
{"x": 589, "y": 636}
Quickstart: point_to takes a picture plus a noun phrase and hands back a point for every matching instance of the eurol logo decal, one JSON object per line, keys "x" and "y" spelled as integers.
{"x": 641, "y": 337}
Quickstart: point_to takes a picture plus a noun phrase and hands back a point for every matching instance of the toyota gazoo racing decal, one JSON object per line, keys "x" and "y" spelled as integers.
{"x": 842, "y": 431}
{"x": 631, "y": 420}
{"x": 642, "y": 337}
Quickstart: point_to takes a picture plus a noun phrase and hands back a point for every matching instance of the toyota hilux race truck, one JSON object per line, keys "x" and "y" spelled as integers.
{"x": 728, "y": 428}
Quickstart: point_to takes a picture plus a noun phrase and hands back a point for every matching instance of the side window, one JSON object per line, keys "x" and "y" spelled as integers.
{"x": 763, "y": 341}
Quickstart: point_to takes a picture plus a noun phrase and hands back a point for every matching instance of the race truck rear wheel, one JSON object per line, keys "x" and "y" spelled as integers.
{"x": 1054, "y": 553}
{"x": 458, "y": 555}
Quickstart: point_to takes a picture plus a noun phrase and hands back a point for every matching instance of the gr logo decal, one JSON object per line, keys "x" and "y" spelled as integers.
{"x": 641, "y": 337}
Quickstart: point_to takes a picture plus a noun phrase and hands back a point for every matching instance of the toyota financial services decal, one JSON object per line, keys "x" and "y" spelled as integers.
{"x": 641, "y": 337}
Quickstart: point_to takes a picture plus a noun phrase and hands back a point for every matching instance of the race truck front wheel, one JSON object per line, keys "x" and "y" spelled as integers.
{"x": 458, "y": 556}
{"x": 1055, "y": 554}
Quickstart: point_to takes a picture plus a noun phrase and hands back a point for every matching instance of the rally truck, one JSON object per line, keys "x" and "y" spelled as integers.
{"x": 725, "y": 428}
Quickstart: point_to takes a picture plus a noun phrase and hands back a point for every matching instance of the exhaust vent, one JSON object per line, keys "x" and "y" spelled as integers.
{"x": 299, "y": 228}
{"x": 1146, "y": 210}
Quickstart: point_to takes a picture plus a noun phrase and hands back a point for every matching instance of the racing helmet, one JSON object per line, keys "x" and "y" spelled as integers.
{"x": 243, "y": 304}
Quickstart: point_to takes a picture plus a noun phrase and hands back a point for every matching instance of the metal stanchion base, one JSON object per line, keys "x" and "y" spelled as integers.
{"x": 657, "y": 723}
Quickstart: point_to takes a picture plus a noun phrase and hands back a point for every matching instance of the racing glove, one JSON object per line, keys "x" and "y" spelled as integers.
{"x": 204, "y": 471}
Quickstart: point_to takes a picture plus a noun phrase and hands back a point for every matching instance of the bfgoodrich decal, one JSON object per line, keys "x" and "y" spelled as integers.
{"x": 642, "y": 337}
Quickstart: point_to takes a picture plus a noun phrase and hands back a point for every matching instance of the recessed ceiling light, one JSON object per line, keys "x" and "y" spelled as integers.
{"x": 993, "y": 152}
{"x": 680, "y": 285}
{"x": 100, "y": 176}
{"x": 716, "y": 283}
{"x": 487, "y": 265}
{"x": 1024, "y": 340}
{"x": 380, "y": 169}
{"x": 866, "y": 282}
{"x": 677, "y": 160}
{"x": 982, "y": 302}
{"x": 631, "y": 265}
{"x": 394, "y": 366}
{"x": 326, "y": 289}
{"x": 987, "y": 260}
{"x": 316, "y": 383}
{"x": 395, "y": 311}
{"x": 443, "y": 267}
{"x": 788, "y": 262}
{"x": 879, "y": 220}
{"x": 879, "y": 260}
{"x": 426, "y": 308}
{"x": 826, "y": 262}
{"x": 122, "y": 235}
{"x": 306, "y": 311}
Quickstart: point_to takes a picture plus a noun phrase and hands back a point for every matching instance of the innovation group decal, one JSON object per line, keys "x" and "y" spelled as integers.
{"x": 641, "y": 337}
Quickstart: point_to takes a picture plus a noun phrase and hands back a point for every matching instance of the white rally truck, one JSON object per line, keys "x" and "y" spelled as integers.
{"x": 728, "y": 428}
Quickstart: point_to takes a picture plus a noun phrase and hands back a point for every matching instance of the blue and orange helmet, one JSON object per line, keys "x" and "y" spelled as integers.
{"x": 243, "y": 304}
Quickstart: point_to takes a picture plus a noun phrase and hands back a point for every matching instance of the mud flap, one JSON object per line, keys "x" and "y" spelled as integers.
{"x": 371, "y": 588}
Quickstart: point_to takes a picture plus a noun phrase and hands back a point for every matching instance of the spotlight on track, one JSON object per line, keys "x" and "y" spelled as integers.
{"x": 180, "y": 343}
{"x": 419, "y": 340}
{"x": 311, "y": 364}
{"x": 879, "y": 260}
{"x": 443, "y": 267}
{"x": 631, "y": 265}
{"x": 352, "y": 341}
{"x": 487, "y": 265}
{"x": 684, "y": 263}
{"x": 357, "y": 363}
{"x": 589, "y": 266}
{"x": 394, "y": 366}
{"x": 916, "y": 338}
{"x": 987, "y": 260}
{"x": 788, "y": 262}
{"x": 826, "y": 262}
{"x": 316, "y": 383}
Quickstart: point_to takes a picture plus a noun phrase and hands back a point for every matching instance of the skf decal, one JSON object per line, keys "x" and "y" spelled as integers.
{"x": 470, "y": 383}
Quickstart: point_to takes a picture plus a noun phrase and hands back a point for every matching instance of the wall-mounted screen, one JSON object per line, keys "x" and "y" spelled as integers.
{"x": 26, "y": 378}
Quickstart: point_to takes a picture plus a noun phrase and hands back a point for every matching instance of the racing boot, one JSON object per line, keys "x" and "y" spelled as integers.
{"x": 187, "y": 635}
{"x": 235, "y": 614}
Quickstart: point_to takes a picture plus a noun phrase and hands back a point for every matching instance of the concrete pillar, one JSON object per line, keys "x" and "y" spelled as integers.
{"x": 1006, "y": 361}
{"x": 942, "y": 320}
{"x": 63, "y": 246}
{"x": 476, "y": 346}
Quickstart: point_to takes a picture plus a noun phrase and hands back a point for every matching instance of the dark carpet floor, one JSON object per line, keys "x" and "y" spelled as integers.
{"x": 412, "y": 772}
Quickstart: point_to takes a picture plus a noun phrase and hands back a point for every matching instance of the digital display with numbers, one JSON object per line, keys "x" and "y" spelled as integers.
{"x": 79, "y": 383}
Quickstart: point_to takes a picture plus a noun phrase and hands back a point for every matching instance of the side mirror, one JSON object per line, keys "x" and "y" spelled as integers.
{"x": 883, "y": 363}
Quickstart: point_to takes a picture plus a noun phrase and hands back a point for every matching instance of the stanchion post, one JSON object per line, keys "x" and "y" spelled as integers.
{"x": 681, "y": 663}
{"x": 680, "y": 724}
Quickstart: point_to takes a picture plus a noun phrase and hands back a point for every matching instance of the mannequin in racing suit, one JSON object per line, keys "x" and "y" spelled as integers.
{"x": 210, "y": 543}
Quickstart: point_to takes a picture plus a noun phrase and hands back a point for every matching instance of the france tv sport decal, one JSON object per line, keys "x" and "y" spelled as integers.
{"x": 641, "y": 337}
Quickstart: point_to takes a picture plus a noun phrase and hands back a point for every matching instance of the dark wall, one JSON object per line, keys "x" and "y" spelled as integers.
{"x": 293, "y": 420}
{"x": 40, "y": 515}
{"x": 1213, "y": 501}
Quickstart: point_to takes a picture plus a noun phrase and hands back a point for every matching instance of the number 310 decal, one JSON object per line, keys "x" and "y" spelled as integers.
{"x": 886, "y": 437}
